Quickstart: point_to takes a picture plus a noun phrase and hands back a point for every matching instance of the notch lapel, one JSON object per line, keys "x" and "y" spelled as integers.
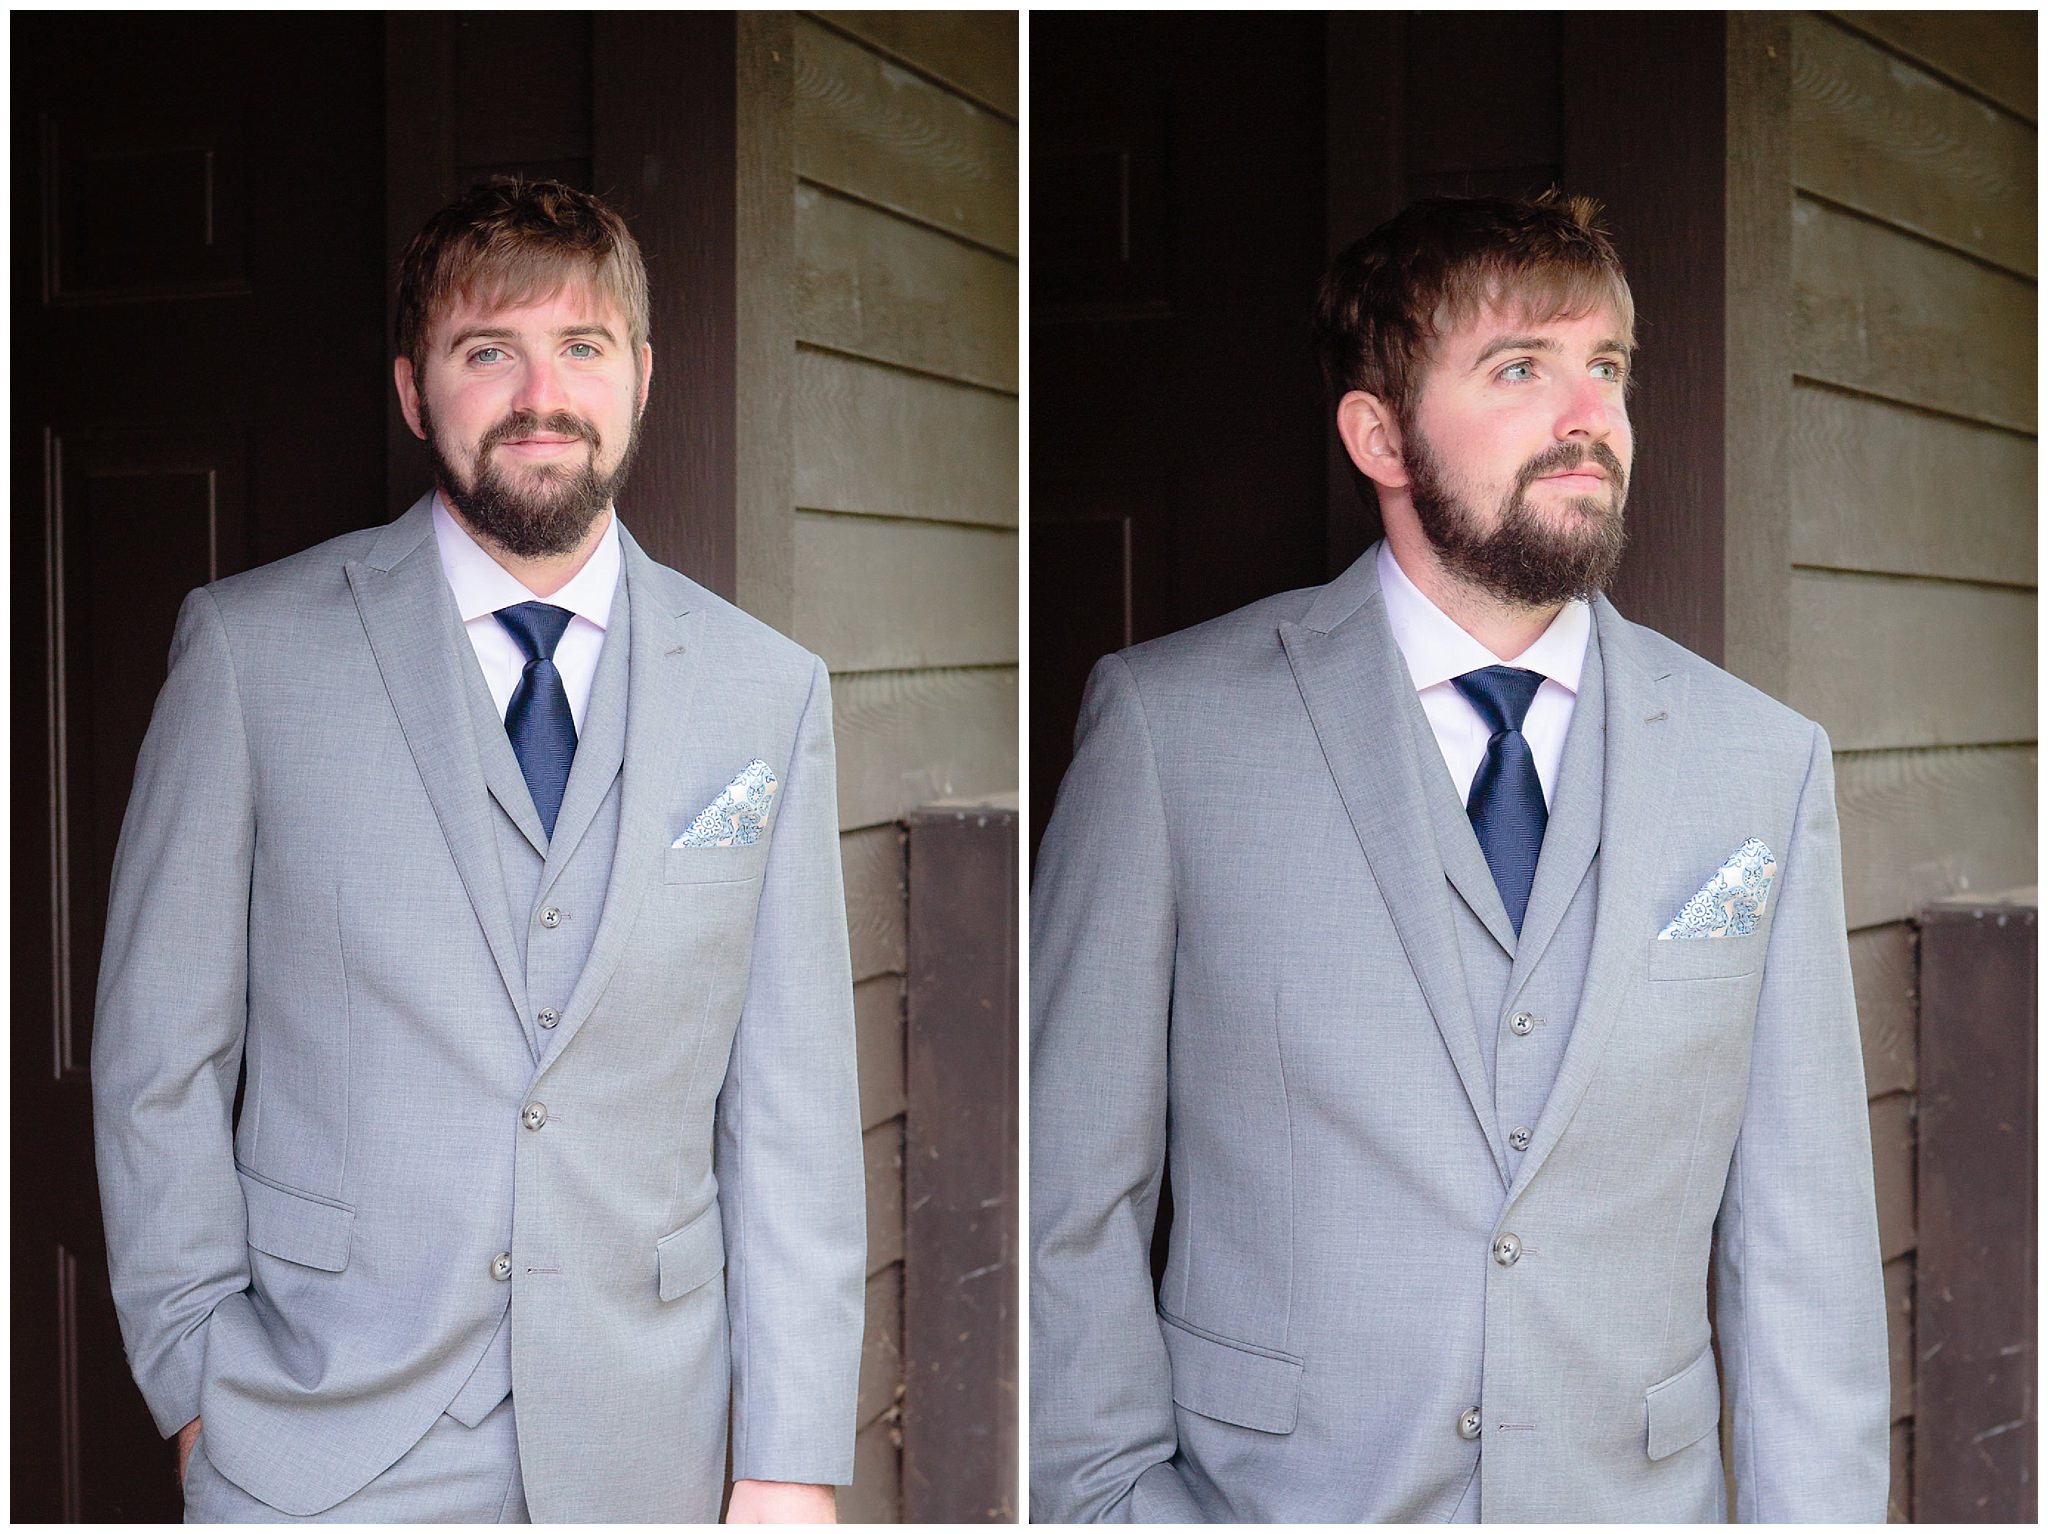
{"x": 1358, "y": 692}
{"x": 662, "y": 679}
{"x": 416, "y": 636}
{"x": 1643, "y": 703}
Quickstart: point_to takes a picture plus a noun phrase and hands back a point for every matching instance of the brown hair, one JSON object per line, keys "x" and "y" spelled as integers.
{"x": 1433, "y": 266}
{"x": 508, "y": 241}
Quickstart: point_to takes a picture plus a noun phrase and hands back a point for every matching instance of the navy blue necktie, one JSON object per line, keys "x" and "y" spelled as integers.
{"x": 543, "y": 730}
{"x": 1506, "y": 802}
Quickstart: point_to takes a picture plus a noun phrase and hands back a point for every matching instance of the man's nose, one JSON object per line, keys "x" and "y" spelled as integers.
{"x": 540, "y": 388}
{"x": 1587, "y": 412}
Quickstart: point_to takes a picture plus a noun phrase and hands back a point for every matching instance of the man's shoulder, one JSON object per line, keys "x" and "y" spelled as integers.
{"x": 1240, "y": 642}
{"x": 1716, "y": 699}
{"x": 725, "y": 623}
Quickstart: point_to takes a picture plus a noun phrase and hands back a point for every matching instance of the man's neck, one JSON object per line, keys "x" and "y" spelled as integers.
{"x": 1505, "y": 628}
{"x": 541, "y": 574}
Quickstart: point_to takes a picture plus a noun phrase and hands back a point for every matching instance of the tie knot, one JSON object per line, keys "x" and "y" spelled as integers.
{"x": 1502, "y": 694}
{"x": 537, "y": 626}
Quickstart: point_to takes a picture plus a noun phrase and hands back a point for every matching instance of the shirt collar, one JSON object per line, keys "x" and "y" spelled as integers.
{"x": 1437, "y": 649}
{"x": 482, "y": 585}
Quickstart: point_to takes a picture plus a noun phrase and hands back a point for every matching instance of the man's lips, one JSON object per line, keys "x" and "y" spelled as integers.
{"x": 1577, "y": 477}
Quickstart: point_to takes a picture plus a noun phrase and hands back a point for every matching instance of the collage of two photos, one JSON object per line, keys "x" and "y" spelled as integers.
{"x": 1455, "y": 942}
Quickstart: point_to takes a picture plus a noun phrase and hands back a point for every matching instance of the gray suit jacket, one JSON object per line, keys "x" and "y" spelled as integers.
{"x": 311, "y": 876}
{"x": 1246, "y": 967}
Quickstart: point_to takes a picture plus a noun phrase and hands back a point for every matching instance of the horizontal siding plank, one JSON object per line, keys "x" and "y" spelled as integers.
{"x": 1891, "y": 1159}
{"x": 876, "y": 1495}
{"x": 1878, "y": 135}
{"x": 975, "y": 52}
{"x": 1881, "y": 963}
{"x": 871, "y": 861}
{"x": 870, "y": 284}
{"x": 909, "y": 737}
{"x": 1898, "y": 1309}
{"x": 876, "y": 439}
{"x": 875, "y": 594}
{"x": 1876, "y": 486}
{"x": 1881, "y": 660}
{"x": 1918, "y": 825}
{"x": 878, "y": 1035}
{"x": 874, "y": 130}
{"x": 882, "y": 1149}
{"x": 881, "y": 1345}
{"x": 1990, "y": 51}
{"x": 1888, "y": 314}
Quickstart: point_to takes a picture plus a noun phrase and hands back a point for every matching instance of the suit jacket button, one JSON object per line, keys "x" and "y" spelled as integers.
{"x": 501, "y": 1266}
{"x": 548, "y": 1017}
{"x": 1507, "y": 1251}
{"x": 551, "y": 918}
{"x": 1468, "y": 1424}
{"x": 1521, "y": 1022}
{"x": 536, "y": 1114}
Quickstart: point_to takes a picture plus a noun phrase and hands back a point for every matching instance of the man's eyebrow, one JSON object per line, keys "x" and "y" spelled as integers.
{"x": 506, "y": 333}
{"x": 1542, "y": 344}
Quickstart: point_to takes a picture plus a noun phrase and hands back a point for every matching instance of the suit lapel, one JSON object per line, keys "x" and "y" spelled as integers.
{"x": 662, "y": 678}
{"x": 600, "y": 748}
{"x": 415, "y": 634}
{"x": 1572, "y": 835}
{"x": 1643, "y": 704}
{"x": 1357, "y": 692}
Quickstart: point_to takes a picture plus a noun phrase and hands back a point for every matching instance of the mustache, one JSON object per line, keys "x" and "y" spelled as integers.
{"x": 525, "y": 423}
{"x": 1567, "y": 456}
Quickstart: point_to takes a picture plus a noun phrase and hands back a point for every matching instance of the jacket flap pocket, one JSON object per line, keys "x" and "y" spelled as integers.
{"x": 1706, "y": 958}
{"x": 1684, "y": 1408}
{"x": 691, "y": 1257}
{"x": 714, "y": 865}
{"x": 296, "y": 1226}
{"x": 1231, "y": 1381}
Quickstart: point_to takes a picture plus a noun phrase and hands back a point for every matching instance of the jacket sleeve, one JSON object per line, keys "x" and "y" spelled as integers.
{"x": 1102, "y": 958}
{"x": 1800, "y": 1301}
{"x": 169, "y": 1021}
{"x": 788, "y": 1152}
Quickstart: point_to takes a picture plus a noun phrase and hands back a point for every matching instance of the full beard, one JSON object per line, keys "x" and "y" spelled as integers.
{"x": 555, "y": 507}
{"x": 1527, "y": 560}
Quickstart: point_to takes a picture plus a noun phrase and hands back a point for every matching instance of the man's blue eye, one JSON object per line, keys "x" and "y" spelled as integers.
{"x": 482, "y": 353}
{"x": 583, "y": 348}
{"x": 1614, "y": 370}
{"x": 1524, "y": 367}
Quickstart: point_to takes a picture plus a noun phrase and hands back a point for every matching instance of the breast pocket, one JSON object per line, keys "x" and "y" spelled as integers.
{"x": 714, "y": 865}
{"x": 1706, "y": 958}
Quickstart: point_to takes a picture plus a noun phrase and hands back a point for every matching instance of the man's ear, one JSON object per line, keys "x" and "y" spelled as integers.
{"x": 408, "y": 395}
{"x": 1372, "y": 437}
{"x": 646, "y": 372}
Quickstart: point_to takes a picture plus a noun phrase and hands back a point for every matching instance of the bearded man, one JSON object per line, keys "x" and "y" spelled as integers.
{"x": 506, "y": 860}
{"x": 1473, "y": 962}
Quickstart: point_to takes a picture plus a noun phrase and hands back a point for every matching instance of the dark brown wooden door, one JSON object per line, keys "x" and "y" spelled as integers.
{"x": 199, "y": 372}
{"x": 1177, "y": 458}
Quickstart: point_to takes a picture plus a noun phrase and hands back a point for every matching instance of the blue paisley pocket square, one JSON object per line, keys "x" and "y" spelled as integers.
{"x": 1732, "y": 902}
{"x": 736, "y": 817}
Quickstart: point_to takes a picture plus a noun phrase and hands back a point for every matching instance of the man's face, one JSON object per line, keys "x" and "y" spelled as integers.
{"x": 1519, "y": 453}
{"x": 532, "y": 413}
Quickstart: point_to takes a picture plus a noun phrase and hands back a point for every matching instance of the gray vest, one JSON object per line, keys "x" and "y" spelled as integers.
{"x": 554, "y": 888}
{"x": 1524, "y": 1011}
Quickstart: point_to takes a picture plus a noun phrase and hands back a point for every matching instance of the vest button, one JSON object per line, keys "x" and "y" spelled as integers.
{"x": 548, "y": 1017}
{"x": 501, "y": 1266}
{"x": 551, "y": 918}
{"x": 1520, "y": 1137}
{"x": 536, "y": 1114}
{"x": 1521, "y": 1022}
{"x": 1468, "y": 1424}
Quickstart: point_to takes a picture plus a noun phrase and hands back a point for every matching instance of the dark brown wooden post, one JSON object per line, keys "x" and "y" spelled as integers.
{"x": 1974, "y": 1425}
{"x": 960, "y": 1167}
